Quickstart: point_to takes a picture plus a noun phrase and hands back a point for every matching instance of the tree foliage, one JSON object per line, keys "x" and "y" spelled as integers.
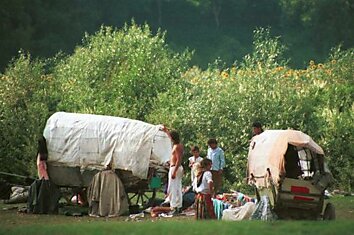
{"x": 114, "y": 72}
{"x": 133, "y": 73}
{"x": 118, "y": 72}
{"x": 309, "y": 28}
{"x": 24, "y": 100}
{"x": 222, "y": 102}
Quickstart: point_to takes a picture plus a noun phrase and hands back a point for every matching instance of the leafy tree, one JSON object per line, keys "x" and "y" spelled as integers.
{"x": 222, "y": 102}
{"x": 335, "y": 87}
{"x": 133, "y": 73}
{"x": 213, "y": 6}
{"x": 118, "y": 72}
{"x": 24, "y": 96}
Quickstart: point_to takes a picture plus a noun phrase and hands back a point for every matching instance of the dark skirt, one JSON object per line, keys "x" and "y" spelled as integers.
{"x": 204, "y": 207}
{"x": 43, "y": 197}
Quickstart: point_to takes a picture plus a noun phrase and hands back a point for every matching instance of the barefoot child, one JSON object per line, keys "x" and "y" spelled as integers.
{"x": 204, "y": 187}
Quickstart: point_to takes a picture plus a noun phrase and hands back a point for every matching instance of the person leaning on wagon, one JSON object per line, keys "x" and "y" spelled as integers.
{"x": 216, "y": 155}
{"x": 43, "y": 195}
{"x": 42, "y": 156}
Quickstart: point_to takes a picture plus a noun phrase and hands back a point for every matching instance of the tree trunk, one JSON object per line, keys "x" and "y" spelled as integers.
{"x": 216, "y": 11}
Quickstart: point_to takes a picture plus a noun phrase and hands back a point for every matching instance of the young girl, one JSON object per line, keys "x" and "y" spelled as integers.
{"x": 42, "y": 157}
{"x": 204, "y": 187}
{"x": 193, "y": 160}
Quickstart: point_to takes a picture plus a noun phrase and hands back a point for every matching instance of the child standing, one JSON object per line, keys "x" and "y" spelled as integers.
{"x": 193, "y": 160}
{"x": 204, "y": 187}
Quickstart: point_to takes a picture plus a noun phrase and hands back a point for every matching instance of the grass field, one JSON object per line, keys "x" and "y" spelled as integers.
{"x": 12, "y": 222}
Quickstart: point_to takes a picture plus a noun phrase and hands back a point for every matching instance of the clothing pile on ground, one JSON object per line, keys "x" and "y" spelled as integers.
{"x": 263, "y": 210}
{"x": 234, "y": 206}
{"x": 19, "y": 194}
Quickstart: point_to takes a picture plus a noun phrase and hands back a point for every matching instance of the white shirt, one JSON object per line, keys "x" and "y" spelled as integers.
{"x": 193, "y": 160}
{"x": 204, "y": 186}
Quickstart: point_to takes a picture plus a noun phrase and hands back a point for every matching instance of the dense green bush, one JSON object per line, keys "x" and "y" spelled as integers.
{"x": 118, "y": 72}
{"x": 336, "y": 91}
{"x": 223, "y": 102}
{"x": 132, "y": 73}
{"x": 24, "y": 101}
{"x": 114, "y": 72}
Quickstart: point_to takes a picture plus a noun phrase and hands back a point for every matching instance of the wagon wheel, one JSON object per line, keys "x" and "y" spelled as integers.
{"x": 141, "y": 198}
{"x": 329, "y": 212}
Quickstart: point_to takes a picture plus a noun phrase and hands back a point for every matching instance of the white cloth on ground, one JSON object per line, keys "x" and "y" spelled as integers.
{"x": 239, "y": 213}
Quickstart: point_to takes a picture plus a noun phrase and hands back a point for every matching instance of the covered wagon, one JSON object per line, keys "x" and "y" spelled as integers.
{"x": 289, "y": 168}
{"x": 80, "y": 145}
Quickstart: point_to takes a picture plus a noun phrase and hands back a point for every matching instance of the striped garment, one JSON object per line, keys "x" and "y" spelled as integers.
{"x": 204, "y": 207}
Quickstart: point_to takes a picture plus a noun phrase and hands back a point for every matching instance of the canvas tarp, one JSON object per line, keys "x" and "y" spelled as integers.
{"x": 94, "y": 141}
{"x": 267, "y": 151}
{"x": 106, "y": 195}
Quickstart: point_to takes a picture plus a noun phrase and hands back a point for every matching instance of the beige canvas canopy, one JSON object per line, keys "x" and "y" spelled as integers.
{"x": 267, "y": 151}
{"x": 92, "y": 141}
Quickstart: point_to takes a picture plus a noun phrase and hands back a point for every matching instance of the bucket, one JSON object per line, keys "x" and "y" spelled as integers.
{"x": 155, "y": 182}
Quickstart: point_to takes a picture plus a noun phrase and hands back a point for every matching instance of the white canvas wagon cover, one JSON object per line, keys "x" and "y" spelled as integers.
{"x": 93, "y": 141}
{"x": 267, "y": 150}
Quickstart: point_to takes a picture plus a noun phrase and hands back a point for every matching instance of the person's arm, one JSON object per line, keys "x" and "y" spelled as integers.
{"x": 211, "y": 188}
{"x": 209, "y": 179}
{"x": 164, "y": 129}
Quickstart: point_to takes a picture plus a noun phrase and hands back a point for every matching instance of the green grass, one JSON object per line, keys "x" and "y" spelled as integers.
{"x": 13, "y": 223}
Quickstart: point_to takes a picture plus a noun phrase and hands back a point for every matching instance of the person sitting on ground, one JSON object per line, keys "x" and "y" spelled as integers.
{"x": 204, "y": 187}
{"x": 164, "y": 207}
{"x": 156, "y": 211}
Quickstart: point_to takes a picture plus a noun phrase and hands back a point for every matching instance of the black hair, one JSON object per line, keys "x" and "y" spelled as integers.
{"x": 257, "y": 124}
{"x": 205, "y": 162}
{"x": 212, "y": 141}
{"x": 42, "y": 149}
{"x": 195, "y": 148}
{"x": 175, "y": 137}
